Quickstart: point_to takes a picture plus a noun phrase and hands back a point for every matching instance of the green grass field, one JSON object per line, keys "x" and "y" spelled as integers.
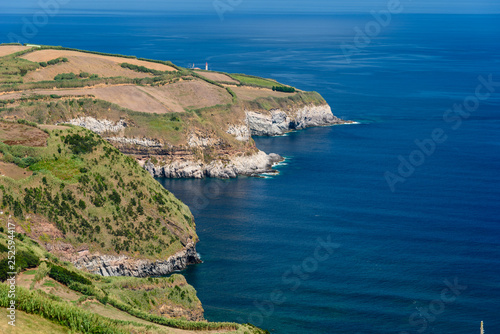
{"x": 254, "y": 81}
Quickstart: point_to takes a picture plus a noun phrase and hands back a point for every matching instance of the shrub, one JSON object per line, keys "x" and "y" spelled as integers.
{"x": 41, "y": 272}
{"x": 81, "y": 144}
{"x": 65, "y": 76}
{"x": 285, "y": 89}
{"x": 115, "y": 197}
{"x": 82, "y": 205}
{"x": 66, "y": 276}
{"x": 142, "y": 69}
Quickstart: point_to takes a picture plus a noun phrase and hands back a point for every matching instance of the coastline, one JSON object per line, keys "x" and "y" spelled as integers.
{"x": 272, "y": 123}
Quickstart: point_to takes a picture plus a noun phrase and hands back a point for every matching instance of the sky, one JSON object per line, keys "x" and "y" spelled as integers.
{"x": 257, "y": 6}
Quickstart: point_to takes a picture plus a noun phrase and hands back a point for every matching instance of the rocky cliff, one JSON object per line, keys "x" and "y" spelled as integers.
{"x": 232, "y": 167}
{"x": 110, "y": 265}
{"x": 189, "y": 160}
{"x": 277, "y": 122}
{"x": 260, "y": 123}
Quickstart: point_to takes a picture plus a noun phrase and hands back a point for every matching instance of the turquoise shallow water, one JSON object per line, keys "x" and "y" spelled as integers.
{"x": 391, "y": 252}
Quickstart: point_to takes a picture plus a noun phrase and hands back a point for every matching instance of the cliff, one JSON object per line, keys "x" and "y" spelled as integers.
{"x": 113, "y": 265}
{"x": 177, "y": 122}
{"x": 277, "y": 122}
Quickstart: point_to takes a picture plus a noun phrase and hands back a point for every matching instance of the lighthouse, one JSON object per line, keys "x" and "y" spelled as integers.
{"x": 206, "y": 66}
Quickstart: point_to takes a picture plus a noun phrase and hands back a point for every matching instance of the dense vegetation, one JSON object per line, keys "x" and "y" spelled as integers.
{"x": 285, "y": 89}
{"x": 96, "y": 196}
{"x": 65, "y": 76}
{"x": 67, "y": 277}
{"x": 142, "y": 69}
{"x": 53, "y": 61}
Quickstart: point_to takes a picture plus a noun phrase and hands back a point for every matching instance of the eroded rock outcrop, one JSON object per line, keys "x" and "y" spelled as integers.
{"x": 277, "y": 122}
{"x": 99, "y": 126}
{"x": 232, "y": 167}
{"x": 111, "y": 265}
{"x": 146, "y": 142}
{"x": 206, "y": 153}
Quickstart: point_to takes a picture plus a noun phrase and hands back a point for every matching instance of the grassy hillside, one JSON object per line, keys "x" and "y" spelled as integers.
{"x": 95, "y": 196}
{"x": 55, "y": 297}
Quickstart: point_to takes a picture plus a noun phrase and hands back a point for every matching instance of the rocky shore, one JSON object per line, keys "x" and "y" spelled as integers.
{"x": 277, "y": 122}
{"x": 238, "y": 165}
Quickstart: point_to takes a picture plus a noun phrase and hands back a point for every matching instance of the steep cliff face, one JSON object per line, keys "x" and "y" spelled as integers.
{"x": 277, "y": 121}
{"x": 208, "y": 153}
{"x": 110, "y": 265}
{"x": 230, "y": 168}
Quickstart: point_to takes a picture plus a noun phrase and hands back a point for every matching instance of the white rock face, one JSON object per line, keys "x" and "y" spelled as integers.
{"x": 98, "y": 125}
{"x": 239, "y": 165}
{"x": 198, "y": 141}
{"x": 241, "y": 132}
{"x": 142, "y": 142}
{"x": 278, "y": 122}
{"x": 110, "y": 265}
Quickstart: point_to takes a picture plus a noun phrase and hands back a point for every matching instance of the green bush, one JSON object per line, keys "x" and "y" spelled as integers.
{"x": 65, "y": 76}
{"x": 285, "y": 89}
{"x": 67, "y": 277}
{"x": 41, "y": 272}
{"x": 54, "y": 61}
{"x": 142, "y": 69}
{"x": 81, "y": 144}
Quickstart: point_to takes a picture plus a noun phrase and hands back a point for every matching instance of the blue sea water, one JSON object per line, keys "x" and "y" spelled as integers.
{"x": 393, "y": 253}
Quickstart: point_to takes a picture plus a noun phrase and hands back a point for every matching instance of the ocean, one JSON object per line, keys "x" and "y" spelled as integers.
{"x": 386, "y": 226}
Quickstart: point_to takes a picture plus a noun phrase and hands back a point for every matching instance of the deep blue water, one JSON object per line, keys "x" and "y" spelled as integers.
{"x": 392, "y": 250}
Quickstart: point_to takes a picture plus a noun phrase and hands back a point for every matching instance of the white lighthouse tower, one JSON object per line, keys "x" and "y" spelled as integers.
{"x": 206, "y": 66}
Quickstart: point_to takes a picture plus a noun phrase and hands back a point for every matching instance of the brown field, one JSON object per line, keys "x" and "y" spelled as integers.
{"x": 104, "y": 66}
{"x": 126, "y": 96}
{"x": 13, "y": 171}
{"x": 252, "y": 93}
{"x": 170, "y": 98}
{"x": 10, "y": 49}
{"x": 46, "y": 55}
{"x": 188, "y": 94}
{"x": 20, "y": 134}
{"x": 218, "y": 77}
